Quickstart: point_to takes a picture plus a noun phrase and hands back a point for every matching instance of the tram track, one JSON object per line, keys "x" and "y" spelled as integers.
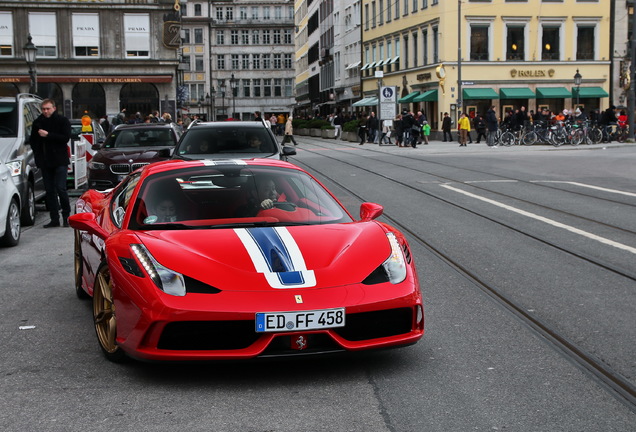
{"x": 609, "y": 379}
{"x": 626, "y": 273}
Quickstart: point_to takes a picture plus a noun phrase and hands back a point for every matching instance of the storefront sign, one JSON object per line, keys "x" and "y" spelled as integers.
{"x": 424, "y": 76}
{"x": 532, "y": 73}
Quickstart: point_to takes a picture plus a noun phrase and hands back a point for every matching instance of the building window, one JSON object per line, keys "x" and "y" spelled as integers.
{"x": 278, "y": 87}
{"x": 435, "y": 45}
{"x": 374, "y": 21}
{"x": 381, "y": 12}
{"x": 406, "y": 56}
{"x": 220, "y": 62}
{"x": 550, "y": 43}
{"x": 43, "y": 29}
{"x": 416, "y": 49}
{"x": 245, "y": 37}
{"x": 220, "y": 37}
{"x": 266, "y": 37}
{"x": 186, "y": 36}
{"x": 479, "y": 42}
{"x": 235, "y": 61}
{"x": 267, "y": 87}
{"x": 256, "y": 61}
{"x": 257, "y": 88}
{"x": 198, "y": 63}
{"x": 515, "y": 44}
{"x": 229, "y": 14}
{"x": 278, "y": 13}
{"x": 415, "y": 4}
{"x": 397, "y": 9}
{"x": 219, "y": 13}
{"x": 425, "y": 47}
{"x": 267, "y": 13}
{"x": 197, "y": 9}
{"x": 243, "y": 12}
{"x": 256, "y": 37}
{"x": 388, "y": 11}
{"x": 254, "y": 12}
{"x": 137, "y": 35}
{"x": 6, "y": 34}
{"x": 287, "y": 61}
{"x": 267, "y": 61}
{"x": 245, "y": 61}
{"x": 278, "y": 61}
{"x": 246, "y": 88}
{"x": 287, "y": 37}
{"x": 406, "y": 7}
{"x": 288, "y": 87}
{"x": 85, "y": 35}
{"x": 277, "y": 38}
{"x": 234, "y": 37}
{"x": 198, "y": 35}
{"x": 585, "y": 42}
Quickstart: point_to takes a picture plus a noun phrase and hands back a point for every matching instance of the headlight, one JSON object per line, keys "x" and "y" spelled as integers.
{"x": 96, "y": 166}
{"x": 395, "y": 265}
{"x": 166, "y": 280}
{"x": 15, "y": 168}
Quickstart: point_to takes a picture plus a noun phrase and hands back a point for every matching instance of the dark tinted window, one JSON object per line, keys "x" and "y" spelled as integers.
{"x": 142, "y": 137}
{"x": 8, "y": 119}
{"x": 204, "y": 140}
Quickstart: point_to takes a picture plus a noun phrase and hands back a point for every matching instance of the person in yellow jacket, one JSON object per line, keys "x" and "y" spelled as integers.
{"x": 464, "y": 128}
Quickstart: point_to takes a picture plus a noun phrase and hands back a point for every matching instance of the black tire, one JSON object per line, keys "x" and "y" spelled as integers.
{"x": 104, "y": 317}
{"x": 11, "y": 235}
{"x": 28, "y": 209}
{"x": 595, "y": 135}
{"x": 529, "y": 138}
{"x": 78, "y": 262}
{"x": 507, "y": 139}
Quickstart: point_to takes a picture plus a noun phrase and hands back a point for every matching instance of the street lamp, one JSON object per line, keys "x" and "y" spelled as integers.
{"x": 233, "y": 86}
{"x": 577, "y": 83}
{"x": 30, "y": 52}
{"x": 222, "y": 89}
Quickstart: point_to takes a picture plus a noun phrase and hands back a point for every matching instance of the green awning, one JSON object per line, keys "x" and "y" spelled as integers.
{"x": 516, "y": 93}
{"x": 409, "y": 97}
{"x": 589, "y": 92}
{"x": 427, "y": 96}
{"x": 553, "y": 93}
{"x": 369, "y": 101}
{"x": 480, "y": 93}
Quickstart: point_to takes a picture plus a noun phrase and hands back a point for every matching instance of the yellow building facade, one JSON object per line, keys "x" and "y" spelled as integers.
{"x": 453, "y": 56}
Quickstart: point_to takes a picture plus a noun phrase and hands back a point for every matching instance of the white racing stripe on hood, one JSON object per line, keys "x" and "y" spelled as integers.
{"x": 276, "y": 255}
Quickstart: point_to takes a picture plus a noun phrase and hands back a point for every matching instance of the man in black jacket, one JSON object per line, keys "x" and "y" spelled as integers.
{"x": 50, "y": 134}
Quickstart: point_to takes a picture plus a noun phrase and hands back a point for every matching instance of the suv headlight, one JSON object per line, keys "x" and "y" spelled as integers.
{"x": 15, "y": 168}
{"x": 96, "y": 166}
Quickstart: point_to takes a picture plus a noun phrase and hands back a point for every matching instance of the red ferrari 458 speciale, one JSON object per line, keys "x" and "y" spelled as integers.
{"x": 234, "y": 259}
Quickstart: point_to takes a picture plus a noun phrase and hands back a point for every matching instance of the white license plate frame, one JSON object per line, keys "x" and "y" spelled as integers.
{"x": 269, "y": 322}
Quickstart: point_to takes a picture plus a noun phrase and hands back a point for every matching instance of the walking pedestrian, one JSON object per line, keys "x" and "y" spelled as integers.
{"x": 464, "y": 129}
{"x": 50, "y": 134}
{"x": 289, "y": 131}
{"x": 492, "y": 125}
{"x": 362, "y": 128}
{"x": 446, "y": 128}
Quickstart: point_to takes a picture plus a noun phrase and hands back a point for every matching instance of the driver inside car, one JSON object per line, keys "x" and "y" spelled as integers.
{"x": 263, "y": 198}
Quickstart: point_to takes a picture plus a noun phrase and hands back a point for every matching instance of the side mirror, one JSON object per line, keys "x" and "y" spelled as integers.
{"x": 164, "y": 153}
{"x": 97, "y": 146}
{"x": 87, "y": 222}
{"x": 370, "y": 211}
{"x": 289, "y": 151}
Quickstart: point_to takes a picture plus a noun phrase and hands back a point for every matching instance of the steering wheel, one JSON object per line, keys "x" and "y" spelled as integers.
{"x": 287, "y": 206}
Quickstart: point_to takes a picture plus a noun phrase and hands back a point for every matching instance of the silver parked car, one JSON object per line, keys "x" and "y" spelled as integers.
{"x": 9, "y": 208}
{"x": 16, "y": 117}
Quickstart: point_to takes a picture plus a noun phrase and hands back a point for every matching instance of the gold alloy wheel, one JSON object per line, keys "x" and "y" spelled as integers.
{"x": 104, "y": 315}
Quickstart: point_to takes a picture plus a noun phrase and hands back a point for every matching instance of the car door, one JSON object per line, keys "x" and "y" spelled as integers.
{"x": 31, "y": 112}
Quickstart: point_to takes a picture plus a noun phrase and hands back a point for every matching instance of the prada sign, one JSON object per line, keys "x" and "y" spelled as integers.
{"x": 532, "y": 73}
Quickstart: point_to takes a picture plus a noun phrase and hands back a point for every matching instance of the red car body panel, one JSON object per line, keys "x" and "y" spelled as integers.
{"x": 340, "y": 256}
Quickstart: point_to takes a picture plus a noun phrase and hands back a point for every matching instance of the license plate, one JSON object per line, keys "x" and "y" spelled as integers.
{"x": 302, "y": 320}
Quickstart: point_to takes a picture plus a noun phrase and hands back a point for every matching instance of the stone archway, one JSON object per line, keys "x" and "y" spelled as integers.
{"x": 88, "y": 98}
{"x": 141, "y": 98}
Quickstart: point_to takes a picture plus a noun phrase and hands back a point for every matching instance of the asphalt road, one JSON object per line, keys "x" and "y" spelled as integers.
{"x": 550, "y": 230}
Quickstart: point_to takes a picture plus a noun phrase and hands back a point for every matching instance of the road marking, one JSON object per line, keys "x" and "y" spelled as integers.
{"x": 587, "y": 186}
{"x": 546, "y": 220}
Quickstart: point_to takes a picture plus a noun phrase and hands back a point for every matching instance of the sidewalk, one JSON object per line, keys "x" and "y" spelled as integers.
{"x": 439, "y": 147}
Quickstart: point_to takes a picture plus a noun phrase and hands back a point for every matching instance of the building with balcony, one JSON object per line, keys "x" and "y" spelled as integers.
{"x": 95, "y": 57}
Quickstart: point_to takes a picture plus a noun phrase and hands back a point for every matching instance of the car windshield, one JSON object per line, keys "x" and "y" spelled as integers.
{"x": 229, "y": 195}
{"x": 142, "y": 137}
{"x": 203, "y": 141}
{"x": 8, "y": 119}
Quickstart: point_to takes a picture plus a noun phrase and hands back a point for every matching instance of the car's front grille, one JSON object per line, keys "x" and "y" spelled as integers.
{"x": 208, "y": 335}
{"x": 138, "y": 165}
{"x": 120, "y": 169}
{"x": 377, "y": 324}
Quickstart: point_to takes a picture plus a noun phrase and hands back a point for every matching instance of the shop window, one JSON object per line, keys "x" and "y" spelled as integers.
{"x": 585, "y": 43}
{"x": 515, "y": 43}
{"x": 479, "y": 42}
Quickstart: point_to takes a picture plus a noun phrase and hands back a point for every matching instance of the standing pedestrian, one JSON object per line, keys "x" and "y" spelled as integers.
{"x": 398, "y": 128}
{"x": 50, "y": 134}
{"x": 446, "y": 128}
{"x": 289, "y": 131}
{"x": 426, "y": 131}
{"x": 386, "y": 132}
{"x": 464, "y": 129}
{"x": 362, "y": 128}
{"x": 480, "y": 126}
{"x": 372, "y": 126}
{"x": 492, "y": 125}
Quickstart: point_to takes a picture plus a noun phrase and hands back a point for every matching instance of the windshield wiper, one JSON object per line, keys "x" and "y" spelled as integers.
{"x": 169, "y": 226}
